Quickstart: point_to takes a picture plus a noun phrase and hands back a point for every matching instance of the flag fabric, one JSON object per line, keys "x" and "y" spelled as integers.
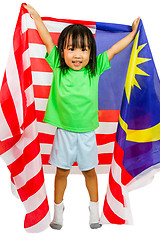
{"x": 19, "y": 141}
{"x": 137, "y": 148}
{"x": 26, "y": 141}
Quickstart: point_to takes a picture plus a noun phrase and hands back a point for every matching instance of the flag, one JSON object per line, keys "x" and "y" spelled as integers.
{"x": 26, "y": 141}
{"x": 19, "y": 140}
{"x": 109, "y": 107}
{"x": 137, "y": 148}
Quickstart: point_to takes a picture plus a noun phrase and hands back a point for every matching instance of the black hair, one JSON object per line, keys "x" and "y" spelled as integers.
{"x": 78, "y": 34}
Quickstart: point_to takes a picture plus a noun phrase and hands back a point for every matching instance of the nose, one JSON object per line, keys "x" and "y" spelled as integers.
{"x": 77, "y": 53}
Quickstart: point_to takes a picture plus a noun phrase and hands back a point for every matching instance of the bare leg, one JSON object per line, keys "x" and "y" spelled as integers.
{"x": 91, "y": 184}
{"x": 60, "y": 184}
{"x": 92, "y": 187}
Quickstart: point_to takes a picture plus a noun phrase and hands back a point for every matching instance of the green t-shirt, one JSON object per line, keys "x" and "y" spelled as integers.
{"x": 73, "y": 99}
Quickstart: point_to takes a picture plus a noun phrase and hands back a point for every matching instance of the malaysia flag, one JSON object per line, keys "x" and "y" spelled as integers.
{"x": 26, "y": 141}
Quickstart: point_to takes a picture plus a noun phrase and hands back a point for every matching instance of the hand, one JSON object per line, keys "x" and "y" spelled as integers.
{"x": 135, "y": 25}
{"x": 34, "y": 14}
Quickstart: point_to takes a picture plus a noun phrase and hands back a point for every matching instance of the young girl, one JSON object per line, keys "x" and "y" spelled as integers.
{"x": 73, "y": 106}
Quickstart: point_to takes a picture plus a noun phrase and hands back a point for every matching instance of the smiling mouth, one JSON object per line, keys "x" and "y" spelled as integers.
{"x": 76, "y": 63}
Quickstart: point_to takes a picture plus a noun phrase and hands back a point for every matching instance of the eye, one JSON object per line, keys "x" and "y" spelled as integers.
{"x": 71, "y": 49}
{"x": 84, "y": 49}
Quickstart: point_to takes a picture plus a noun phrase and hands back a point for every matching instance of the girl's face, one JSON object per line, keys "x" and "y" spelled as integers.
{"x": 76, "y": 58}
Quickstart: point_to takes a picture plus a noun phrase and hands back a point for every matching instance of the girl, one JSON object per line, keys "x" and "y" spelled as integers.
{"x": 73, "y": 106}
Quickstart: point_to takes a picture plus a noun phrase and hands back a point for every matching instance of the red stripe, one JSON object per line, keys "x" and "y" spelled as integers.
{"x": 37, "y": 215}
{"x": 46, "y": 138}
{"x": 105, "y": 138}
{"x": 101, "y": 138}
{"x": 108, "y": 115}
{"x": 27, "y": 77}
{"x": 110, "y": 215}
{"x": 9, "y": 143}
{"x": 75, "y": 164}
{"x": 118, "y": 156}
{"x": 40, "y": 65}
{"x": 33, "y": 37}
{"x": 8, "y": 108}
{"x": 19, "y": 47}
{"x": 30, "y": 115}
{"x": 41, "y": 91}
{"x": 105, "y": 158}
{"x": 115, "y": 189}
{"x": 32, "y": 186}
{"x": 71, "y": 21}
{"x": 105, "y": 115}
{"x": 45, "y": 159}
{"x": 29, "y": 153}
{"x": 40, "y": 115}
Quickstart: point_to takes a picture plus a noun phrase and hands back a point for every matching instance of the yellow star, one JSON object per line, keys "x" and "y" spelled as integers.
{"x": 133, "y": 69}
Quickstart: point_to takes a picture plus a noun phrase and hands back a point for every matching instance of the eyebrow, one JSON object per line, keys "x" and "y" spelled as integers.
{"x": 86, "y": 46}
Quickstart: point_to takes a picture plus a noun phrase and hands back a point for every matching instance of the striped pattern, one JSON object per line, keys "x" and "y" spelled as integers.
{"x": 42, "y": 79}
{"x": 25, "y": 140}
{"x": 19, "y": 145}
{"x": 116, "y": 209}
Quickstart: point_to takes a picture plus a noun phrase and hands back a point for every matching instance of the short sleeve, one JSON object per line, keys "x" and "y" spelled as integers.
{"x": 53, "y": 58}
{"x": 102, "y": 63}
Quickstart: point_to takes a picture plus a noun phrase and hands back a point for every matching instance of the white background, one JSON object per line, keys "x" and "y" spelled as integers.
{"x": 145, "y": 201}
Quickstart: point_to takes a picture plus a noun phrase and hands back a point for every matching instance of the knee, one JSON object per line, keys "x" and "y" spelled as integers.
{"x": 90, "y": 173}
{"x": 62, "y": 173}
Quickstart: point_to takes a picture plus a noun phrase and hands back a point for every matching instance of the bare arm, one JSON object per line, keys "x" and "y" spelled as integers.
{"x": 124, "y": 42}
{"x": 41, "y": 28}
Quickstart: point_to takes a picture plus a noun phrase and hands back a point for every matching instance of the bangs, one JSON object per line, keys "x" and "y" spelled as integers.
{"x": 76, "y": 38}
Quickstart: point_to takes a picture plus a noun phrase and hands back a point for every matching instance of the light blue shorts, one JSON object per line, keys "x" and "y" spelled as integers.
{"x": 69, "y": 147}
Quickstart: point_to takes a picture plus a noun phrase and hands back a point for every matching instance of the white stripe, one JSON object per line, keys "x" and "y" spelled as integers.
{"x": 100, "y": 169}
{"x": 29, "y": 95}
{"x": 14, "y": 85}
{"x": 5, "y": 132}
{"x": 106, "y": 148}
{"x": 57, "y": 27}
{"x": 29, "y": 134}
{"x": 116, "y": 171}
{"x": 27, "y": 22}
{"x": 52, "y": 26}
{"x": 49, "y": 129}
{"x": 106, "y": 128}
{"x": 40, "y": 226}
{"x": 30, "y": 170}
{"x": 46, "y": 128}
{"x": 37, "y": 50}
{"x": 41, "y": 104}
{"x": 26, "y": 59}
{"x": 127, "y": 209}
{"x": 45, "y": 148}
{"x": 116, "y": 206}
{"x": 34, "y": 201}
{"x": 123, "y": 212}
{"x": 14, "y": 190}
{"x": 103, "y": 219}
{"x": 42, "y": 78}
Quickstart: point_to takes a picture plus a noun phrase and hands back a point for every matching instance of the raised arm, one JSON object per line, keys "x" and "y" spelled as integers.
{"x": 42, "y": 30}
{"x": 124, "y": 42}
